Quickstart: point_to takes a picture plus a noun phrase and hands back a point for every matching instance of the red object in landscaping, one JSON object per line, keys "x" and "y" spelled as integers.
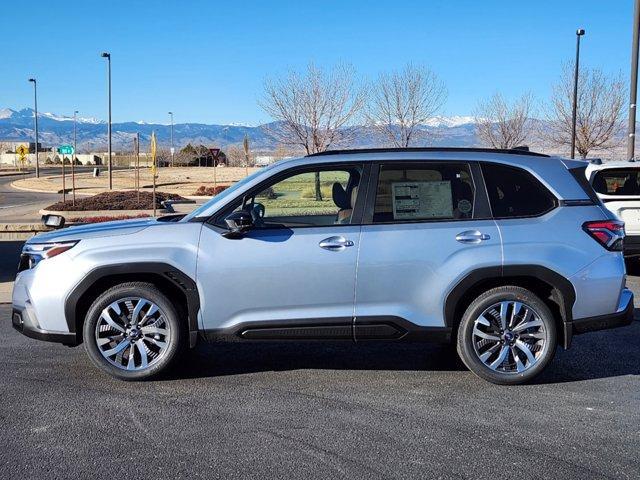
{"x": 210, "y": 191}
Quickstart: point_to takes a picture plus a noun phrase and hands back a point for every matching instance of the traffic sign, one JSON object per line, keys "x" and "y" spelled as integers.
{"x": 22, "y": 150}
{"x": 65, "y": 150}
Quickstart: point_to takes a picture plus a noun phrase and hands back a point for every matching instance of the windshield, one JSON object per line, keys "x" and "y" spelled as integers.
{"x": 225, "y": 193}
{"x": 617, "y": 181}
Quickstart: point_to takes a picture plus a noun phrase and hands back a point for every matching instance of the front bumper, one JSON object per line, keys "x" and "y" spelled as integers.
{"x": 24, "y": 321}
{"x": 621, "y": 318}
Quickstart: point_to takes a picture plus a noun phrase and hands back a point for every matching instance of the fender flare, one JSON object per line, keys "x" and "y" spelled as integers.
{"x": 566, "y": 295}
{"x": 172, "y": 274}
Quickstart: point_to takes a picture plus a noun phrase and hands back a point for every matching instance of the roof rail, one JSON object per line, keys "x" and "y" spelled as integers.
{"x": 513, "y": 151}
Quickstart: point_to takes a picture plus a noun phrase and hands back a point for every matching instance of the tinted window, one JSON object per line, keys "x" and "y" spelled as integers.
{"x": 513, "y": 192}
{"x": 617, "y": 181}
{"x": 431, "y": 192}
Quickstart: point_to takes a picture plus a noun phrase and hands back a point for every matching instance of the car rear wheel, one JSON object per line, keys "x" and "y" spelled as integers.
{"x": 133, "y": 332}
{"x": 507, "y": 336}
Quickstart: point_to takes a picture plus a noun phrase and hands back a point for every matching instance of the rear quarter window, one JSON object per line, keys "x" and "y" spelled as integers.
{"x": 514, "y": 192}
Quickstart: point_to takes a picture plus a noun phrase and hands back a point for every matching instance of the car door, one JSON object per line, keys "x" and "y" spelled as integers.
{"x": 428, "y": 225}
{"x": 293, "y": 274}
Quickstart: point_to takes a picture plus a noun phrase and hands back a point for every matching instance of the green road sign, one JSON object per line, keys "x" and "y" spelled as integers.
{"x": 65, "y": 150}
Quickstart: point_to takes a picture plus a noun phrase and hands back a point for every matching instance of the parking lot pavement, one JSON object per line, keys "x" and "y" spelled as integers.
{"x": 319, "y": 411}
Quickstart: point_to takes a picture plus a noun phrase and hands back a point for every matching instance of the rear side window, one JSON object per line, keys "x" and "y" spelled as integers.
{"x": 419, "y": 192}
{"x": 514, "y": 192}
{"x": 616, "y": 181}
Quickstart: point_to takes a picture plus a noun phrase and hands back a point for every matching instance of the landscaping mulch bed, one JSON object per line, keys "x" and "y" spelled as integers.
{"x": 115, "y": 201}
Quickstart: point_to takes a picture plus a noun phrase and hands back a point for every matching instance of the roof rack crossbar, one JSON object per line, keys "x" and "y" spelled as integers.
{"x": 515, "y": 151}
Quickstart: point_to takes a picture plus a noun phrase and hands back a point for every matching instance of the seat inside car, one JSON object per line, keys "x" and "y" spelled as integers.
{"x": 344, "y": 201}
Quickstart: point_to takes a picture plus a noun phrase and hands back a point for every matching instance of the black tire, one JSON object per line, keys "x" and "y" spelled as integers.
{"x": 175, "y": 339}
{"x": 465, "y": 343}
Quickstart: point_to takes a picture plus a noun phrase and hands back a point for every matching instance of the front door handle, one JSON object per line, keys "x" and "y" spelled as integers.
{"x": 472, "y": 236}
{"x": 335, "y": 244}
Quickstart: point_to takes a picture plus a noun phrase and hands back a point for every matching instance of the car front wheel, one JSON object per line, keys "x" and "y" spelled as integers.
{"x": 507, "y": 336}
{"x": 132, "y": 331}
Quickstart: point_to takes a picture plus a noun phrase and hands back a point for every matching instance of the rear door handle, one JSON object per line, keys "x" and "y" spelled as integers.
{"x": 336, "y": 244}
{"x": 472, "y": 236}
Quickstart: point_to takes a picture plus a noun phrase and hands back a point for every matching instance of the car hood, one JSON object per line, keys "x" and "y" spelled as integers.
{"x": 104, "y": 229}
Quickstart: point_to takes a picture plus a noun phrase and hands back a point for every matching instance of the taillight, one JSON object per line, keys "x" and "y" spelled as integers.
{"x": 608, "y": 233}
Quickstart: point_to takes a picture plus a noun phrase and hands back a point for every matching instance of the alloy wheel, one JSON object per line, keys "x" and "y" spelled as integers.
{"x": 132, "y": 333}
{"x": 509, "y": 337}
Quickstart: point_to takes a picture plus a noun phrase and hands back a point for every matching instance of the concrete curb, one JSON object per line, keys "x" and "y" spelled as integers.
{"x": 12, "y": 232}
{"x": 22, "y": 189}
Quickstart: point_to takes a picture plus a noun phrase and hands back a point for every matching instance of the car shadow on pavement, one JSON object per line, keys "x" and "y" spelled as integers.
{"x": 9, "y": 258}
{"x": 221, "y": 359}
{"x": 609, "y": 353}
{"x": 603, "y": 354}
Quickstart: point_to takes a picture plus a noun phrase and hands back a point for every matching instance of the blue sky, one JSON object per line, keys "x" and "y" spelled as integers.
{"x": 207, "y": 60}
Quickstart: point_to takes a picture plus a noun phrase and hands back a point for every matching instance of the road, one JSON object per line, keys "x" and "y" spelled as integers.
{"x": 21, "y": 206}
{"x": 320, "y": 411}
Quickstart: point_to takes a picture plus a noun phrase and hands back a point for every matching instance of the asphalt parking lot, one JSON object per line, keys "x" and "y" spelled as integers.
{"x": 320, "y": 411}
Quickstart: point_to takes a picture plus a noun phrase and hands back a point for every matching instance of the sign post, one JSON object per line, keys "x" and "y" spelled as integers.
{"x": 154, "y": 168}
{"x": 22, "y": 152}
{"x": 245, "y": 144}
{"x": 215, "y": 152}
{"x": 64, "y": 150}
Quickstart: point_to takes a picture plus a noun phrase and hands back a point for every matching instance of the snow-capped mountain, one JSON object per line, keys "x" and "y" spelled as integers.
{"x": 54, "y": 129}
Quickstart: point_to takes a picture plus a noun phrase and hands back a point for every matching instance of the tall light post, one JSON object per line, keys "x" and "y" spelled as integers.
{"x": 631, "y": 140}
{"x": 171, "y": 115}
{"x": 580, "y": 32}
{"x": 108, "y": 57}
{"x": 35, "y": 107}
{"x": 73, "y": 157}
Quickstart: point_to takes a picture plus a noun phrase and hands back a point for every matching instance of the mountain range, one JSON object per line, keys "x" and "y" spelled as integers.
{"x": 55, "y": 130}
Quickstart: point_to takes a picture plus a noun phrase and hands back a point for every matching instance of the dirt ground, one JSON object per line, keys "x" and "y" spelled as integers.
{"x": 180, "y": 180}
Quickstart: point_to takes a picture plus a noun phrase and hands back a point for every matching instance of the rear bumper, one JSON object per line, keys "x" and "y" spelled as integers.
{"x": 22, "y": 321}
{"x": 621, "y": 318}
{"x": 631, "y": 246}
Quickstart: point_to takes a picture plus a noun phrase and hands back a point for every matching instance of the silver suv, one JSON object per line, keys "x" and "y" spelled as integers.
{"x": 505, "y": 253}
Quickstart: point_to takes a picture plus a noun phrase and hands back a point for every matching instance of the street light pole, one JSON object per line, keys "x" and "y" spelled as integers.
{"x": 171, "y": 114}
{"x": 580, "y": 32}
{"x": 108, "y": 57}
{"x": 73, "y": 157}
{"x": 631, "y": 140}
{"x": 35, "y": 106}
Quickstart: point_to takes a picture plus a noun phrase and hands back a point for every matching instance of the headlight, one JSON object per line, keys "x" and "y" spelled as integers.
{"x": 33, "y": 253}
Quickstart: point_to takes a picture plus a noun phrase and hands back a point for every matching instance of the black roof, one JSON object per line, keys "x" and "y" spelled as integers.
{"x": 513, "y": 151}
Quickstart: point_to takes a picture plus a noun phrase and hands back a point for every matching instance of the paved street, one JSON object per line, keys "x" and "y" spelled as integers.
{"x": 320, "y": 411}
{"x": 21, "y": 206}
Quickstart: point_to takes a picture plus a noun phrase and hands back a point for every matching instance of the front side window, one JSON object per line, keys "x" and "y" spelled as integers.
{"x": 424, "y": 192}
{"x": 617, "y": 181}
{"x": 306, "y": 199}
{"x": 514, "y": 192}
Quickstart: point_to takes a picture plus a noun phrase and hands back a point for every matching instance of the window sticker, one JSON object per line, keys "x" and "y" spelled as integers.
{"x": 419, "y": 200}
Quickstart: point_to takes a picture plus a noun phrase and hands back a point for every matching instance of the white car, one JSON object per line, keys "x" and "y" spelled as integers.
{"x": 617, "y": 185}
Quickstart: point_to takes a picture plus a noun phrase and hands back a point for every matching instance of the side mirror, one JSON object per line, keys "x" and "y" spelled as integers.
{"x": 239, "y": 222}
{"x": 53, "y": 221}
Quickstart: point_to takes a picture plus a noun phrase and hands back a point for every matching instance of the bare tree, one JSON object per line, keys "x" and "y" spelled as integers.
{"x": 313, "y": 109}
{"x": 235, "y": 155}
{"x": 599, "y": 112}
{"x": 500, "y": 124}
{"x": 404, "y": 100}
